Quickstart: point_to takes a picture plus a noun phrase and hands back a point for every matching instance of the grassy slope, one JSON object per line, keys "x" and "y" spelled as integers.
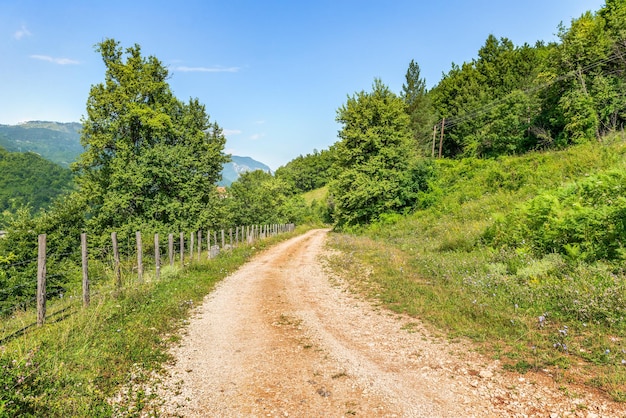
{"x": 433, "y": 265}
{"x": 318, "y": 195}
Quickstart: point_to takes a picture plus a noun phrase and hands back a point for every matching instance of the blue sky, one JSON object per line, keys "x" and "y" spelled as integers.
{"x": 271, "y": 73}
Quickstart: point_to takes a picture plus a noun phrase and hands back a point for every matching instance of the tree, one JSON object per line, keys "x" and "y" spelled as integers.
{"x": 305, "y": 173}
{"x": 258, "y": 197}
{"x": 150, "y": 160}
{"x": 418, "y": 106}
{"x": 373, "y": 157}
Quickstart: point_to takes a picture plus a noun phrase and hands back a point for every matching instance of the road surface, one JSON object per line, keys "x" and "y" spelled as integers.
{"x": 281, "y": 337}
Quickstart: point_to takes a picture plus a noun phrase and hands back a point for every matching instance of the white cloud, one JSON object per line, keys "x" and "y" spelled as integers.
{"x": 256, "y": 136}
{"x": 184, "y": 69}
{"x": 21, "y": 33}
{"x": 60, "y": 61}
{"x": 260, "y": 122}
{"x": 229, "y": 132}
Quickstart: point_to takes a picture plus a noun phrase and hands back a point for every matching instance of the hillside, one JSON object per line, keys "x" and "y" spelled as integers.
{"x": 525, "y": 255}
{"x": 54, "y": 141}
{"x": 28, "y": 179}
{"x": 60, "y": 143}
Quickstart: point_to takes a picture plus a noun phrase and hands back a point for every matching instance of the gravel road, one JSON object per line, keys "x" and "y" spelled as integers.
{"x": 282, "y": 338}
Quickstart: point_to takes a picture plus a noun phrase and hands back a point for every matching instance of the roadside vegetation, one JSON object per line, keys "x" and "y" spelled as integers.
{"x": 524, "y": 255}
{"x": 77, "y": 364}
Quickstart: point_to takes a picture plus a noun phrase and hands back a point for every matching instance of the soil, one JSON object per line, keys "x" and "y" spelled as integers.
{"x": 283, "y": 337}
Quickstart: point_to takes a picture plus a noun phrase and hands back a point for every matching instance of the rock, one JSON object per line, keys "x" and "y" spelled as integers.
{"x": 485, "y": 374}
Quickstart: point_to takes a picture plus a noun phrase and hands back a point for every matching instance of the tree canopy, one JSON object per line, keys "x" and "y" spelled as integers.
{"x": 150, "y": 159}
{"x": 512, "y": 99}
{"x": 373, "y": 157}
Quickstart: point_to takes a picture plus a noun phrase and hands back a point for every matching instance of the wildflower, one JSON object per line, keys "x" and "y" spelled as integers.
{"x": 607, "y": 352}
{"x": 623, "y": 361}
{"x": 542, "y": 321}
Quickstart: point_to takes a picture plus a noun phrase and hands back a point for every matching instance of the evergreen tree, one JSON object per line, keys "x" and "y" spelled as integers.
{"x": 418, "y": 106}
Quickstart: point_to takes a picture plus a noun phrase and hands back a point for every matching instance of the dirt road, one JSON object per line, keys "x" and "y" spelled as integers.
{"x": 279, "y": 338}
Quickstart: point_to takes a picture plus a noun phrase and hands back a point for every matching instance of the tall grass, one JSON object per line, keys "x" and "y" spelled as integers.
{"x": 557, "y": 312}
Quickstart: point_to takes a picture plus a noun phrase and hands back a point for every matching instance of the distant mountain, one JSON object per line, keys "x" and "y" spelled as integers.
{"x": 54, "y": 141}
{"x": 60, "y": 143}
{"x": 238, "y": 166}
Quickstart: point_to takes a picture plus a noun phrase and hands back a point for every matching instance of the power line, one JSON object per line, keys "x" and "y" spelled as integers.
{"x": 454, "y": 121}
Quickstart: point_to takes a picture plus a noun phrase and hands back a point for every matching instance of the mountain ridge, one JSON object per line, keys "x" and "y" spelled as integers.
{"x": 59, "y": 142}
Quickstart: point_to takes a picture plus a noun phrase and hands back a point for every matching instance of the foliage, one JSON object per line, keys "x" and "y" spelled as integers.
{"x": 150, "y": 160}
{"x": 306, "y": 173}
{"x": 29, "y": 180}
{"x": 585, "y": 220}
{"x": 512, "y": 99}
{"x": 258, "y": 197}
{"x": 513, "y": 252}
{"x": 63, "y": 224}
{"x": 373, "y": 158}
{"x": 418, "y": 106}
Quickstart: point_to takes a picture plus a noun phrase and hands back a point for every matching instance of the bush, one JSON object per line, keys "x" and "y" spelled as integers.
{"x": 585, "y": 221}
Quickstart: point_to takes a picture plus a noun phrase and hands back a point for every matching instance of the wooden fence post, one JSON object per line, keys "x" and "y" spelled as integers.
{"x": 182, "y": 249}
{"x": 443, "y": 125}
{"x": 83, "y": 250}
{"x": 199, "y": 243}
{"x": 223, "y": 240}
{"x": 139, "y": 256}
{"x": 191, "y": 235}
{"x": 208, "y": 244}
{"x": 157, "y": 257}
{"x": 230, "y": 233}
{"x": 170, "y": 248}
{"x": 41, "y": 279}
{"x": 116, "y": 260}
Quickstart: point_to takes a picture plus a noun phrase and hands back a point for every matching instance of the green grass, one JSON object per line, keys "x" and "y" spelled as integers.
{"x": 318, "y": 195}
{"x": 435, "y": 265}
{"x": 76, "y": 366}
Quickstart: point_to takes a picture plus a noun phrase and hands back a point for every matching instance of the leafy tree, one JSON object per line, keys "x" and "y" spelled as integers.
{"x": 373, "y": 157}
{"x": 305, "y": 173}
{"x": 258, "y": 197}
{"x": 150, "y": 160}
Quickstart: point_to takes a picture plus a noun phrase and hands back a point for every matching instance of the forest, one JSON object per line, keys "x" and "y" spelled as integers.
{"x": 509, "y": 173}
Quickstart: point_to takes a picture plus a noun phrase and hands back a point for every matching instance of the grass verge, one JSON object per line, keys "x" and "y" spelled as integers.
{"x": 76, "y": 366}
{"x": 552, "y": 313}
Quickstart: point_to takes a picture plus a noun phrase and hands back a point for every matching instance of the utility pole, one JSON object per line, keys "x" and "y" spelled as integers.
{"x": 443, "y": 124}
{"x": 434, "y": 137}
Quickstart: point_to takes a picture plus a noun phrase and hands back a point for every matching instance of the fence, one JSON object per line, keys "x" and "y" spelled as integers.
{"x": 184, "y": 248}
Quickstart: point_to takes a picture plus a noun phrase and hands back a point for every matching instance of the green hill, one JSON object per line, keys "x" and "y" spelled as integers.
{"x": 28, "y": 179}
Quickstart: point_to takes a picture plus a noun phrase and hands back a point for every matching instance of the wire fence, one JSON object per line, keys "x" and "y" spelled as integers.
{"x": 69, "y": 275}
